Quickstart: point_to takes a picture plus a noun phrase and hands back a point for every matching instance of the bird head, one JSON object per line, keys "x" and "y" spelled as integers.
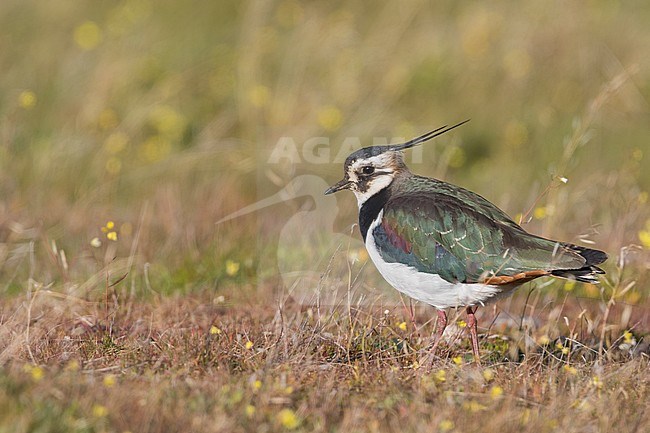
{"x": 371, "y": 169}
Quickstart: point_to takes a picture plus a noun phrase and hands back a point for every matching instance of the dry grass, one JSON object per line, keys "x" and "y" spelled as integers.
{"x": 185, "y": 363}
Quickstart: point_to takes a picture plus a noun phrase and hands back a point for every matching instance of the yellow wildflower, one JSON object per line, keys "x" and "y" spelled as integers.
{"x": 458, "y": 360}
{"x": 488, "y": 374}
{"x": 330, "y": 118}
{"x": 88, "y": 35}
{"x": 569, "y": 285}
{"x": 474, "y": 406}
{"x": 72, "y": 366}
{"x": 99, "y": 411}
{"x": 644, "y": 237}
{"x": 496, "y": 392}
{"x": 402, "y": 326}
{"x": 539, "y": 213}
{"x": 27, "y": 99}
{"x": 248, "y": 345}
{"x": 250, "y": 410}
{"x": 35, "y": 371}
{"x": 457, "y": 157}
{"x": 446, "y": 425}
{"x": 108, "y": 229}
{"x": 232, "y": 268}
{"x": 116, "y": 142}
{"x": 107, "y": 119}
{"x": 597, "y": 382}
{"x": 569, "y": 369}
{"x": 441, "y": 375}
{"x": 288, "y": 419}
{"x": 169, "y": 122}
{"x": 155, "y": 148}
{"x": 214, "y": 330}
{"x": 259, "y": 96}
{"x": 363, "y": 255}
{"x": 109, "y": 381}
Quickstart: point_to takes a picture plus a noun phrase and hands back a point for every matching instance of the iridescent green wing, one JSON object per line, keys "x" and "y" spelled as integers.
{"x": 463, "y": 240}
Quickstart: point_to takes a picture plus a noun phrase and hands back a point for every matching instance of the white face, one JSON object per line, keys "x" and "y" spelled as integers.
{"x": 371, "y": 175}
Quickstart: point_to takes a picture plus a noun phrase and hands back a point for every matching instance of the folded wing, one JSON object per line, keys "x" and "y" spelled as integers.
{"x": 435, "y": 232}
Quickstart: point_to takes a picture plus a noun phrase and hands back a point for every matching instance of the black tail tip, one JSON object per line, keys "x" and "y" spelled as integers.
{"x": 588, "y": 274}
{"x": 592, "y": 257}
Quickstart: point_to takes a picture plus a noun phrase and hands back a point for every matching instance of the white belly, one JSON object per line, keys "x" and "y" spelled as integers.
{"x": 428, "y": 288}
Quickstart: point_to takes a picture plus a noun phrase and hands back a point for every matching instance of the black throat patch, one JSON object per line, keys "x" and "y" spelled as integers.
{"x": 370, "y": 209}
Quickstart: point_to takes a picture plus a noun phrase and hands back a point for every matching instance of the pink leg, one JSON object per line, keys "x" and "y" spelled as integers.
{"x": 440, "y": 329}
{"x": 441, "y": 325}
{"x": 472, "y": 325}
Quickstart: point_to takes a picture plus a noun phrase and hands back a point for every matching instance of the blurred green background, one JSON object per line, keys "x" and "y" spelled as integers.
{"x": 162, "y": 117}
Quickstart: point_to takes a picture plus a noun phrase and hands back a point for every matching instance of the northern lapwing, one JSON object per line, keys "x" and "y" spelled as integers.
{"x": 445, "y": 245}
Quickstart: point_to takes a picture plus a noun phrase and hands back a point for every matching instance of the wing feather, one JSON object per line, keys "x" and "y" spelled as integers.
{"x": 467, "y": 240}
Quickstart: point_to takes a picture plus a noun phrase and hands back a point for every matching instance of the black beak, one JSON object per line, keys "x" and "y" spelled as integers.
{"x": 343, "y": 184}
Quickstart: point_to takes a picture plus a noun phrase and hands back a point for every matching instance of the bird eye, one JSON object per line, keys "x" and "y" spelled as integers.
{"x": 368, "y": 169}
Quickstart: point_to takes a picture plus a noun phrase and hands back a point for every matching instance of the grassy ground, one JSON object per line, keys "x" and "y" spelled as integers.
{"x": 129, "y": 129}
{"x": 192, "y": 363}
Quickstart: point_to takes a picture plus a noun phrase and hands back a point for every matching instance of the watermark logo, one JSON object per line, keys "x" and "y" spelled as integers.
{"x": 319, "y": 150}
{"x": 316, "y": 263}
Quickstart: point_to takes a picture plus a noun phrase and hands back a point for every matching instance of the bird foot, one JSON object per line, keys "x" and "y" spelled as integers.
{"x": 429, "y": 357}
